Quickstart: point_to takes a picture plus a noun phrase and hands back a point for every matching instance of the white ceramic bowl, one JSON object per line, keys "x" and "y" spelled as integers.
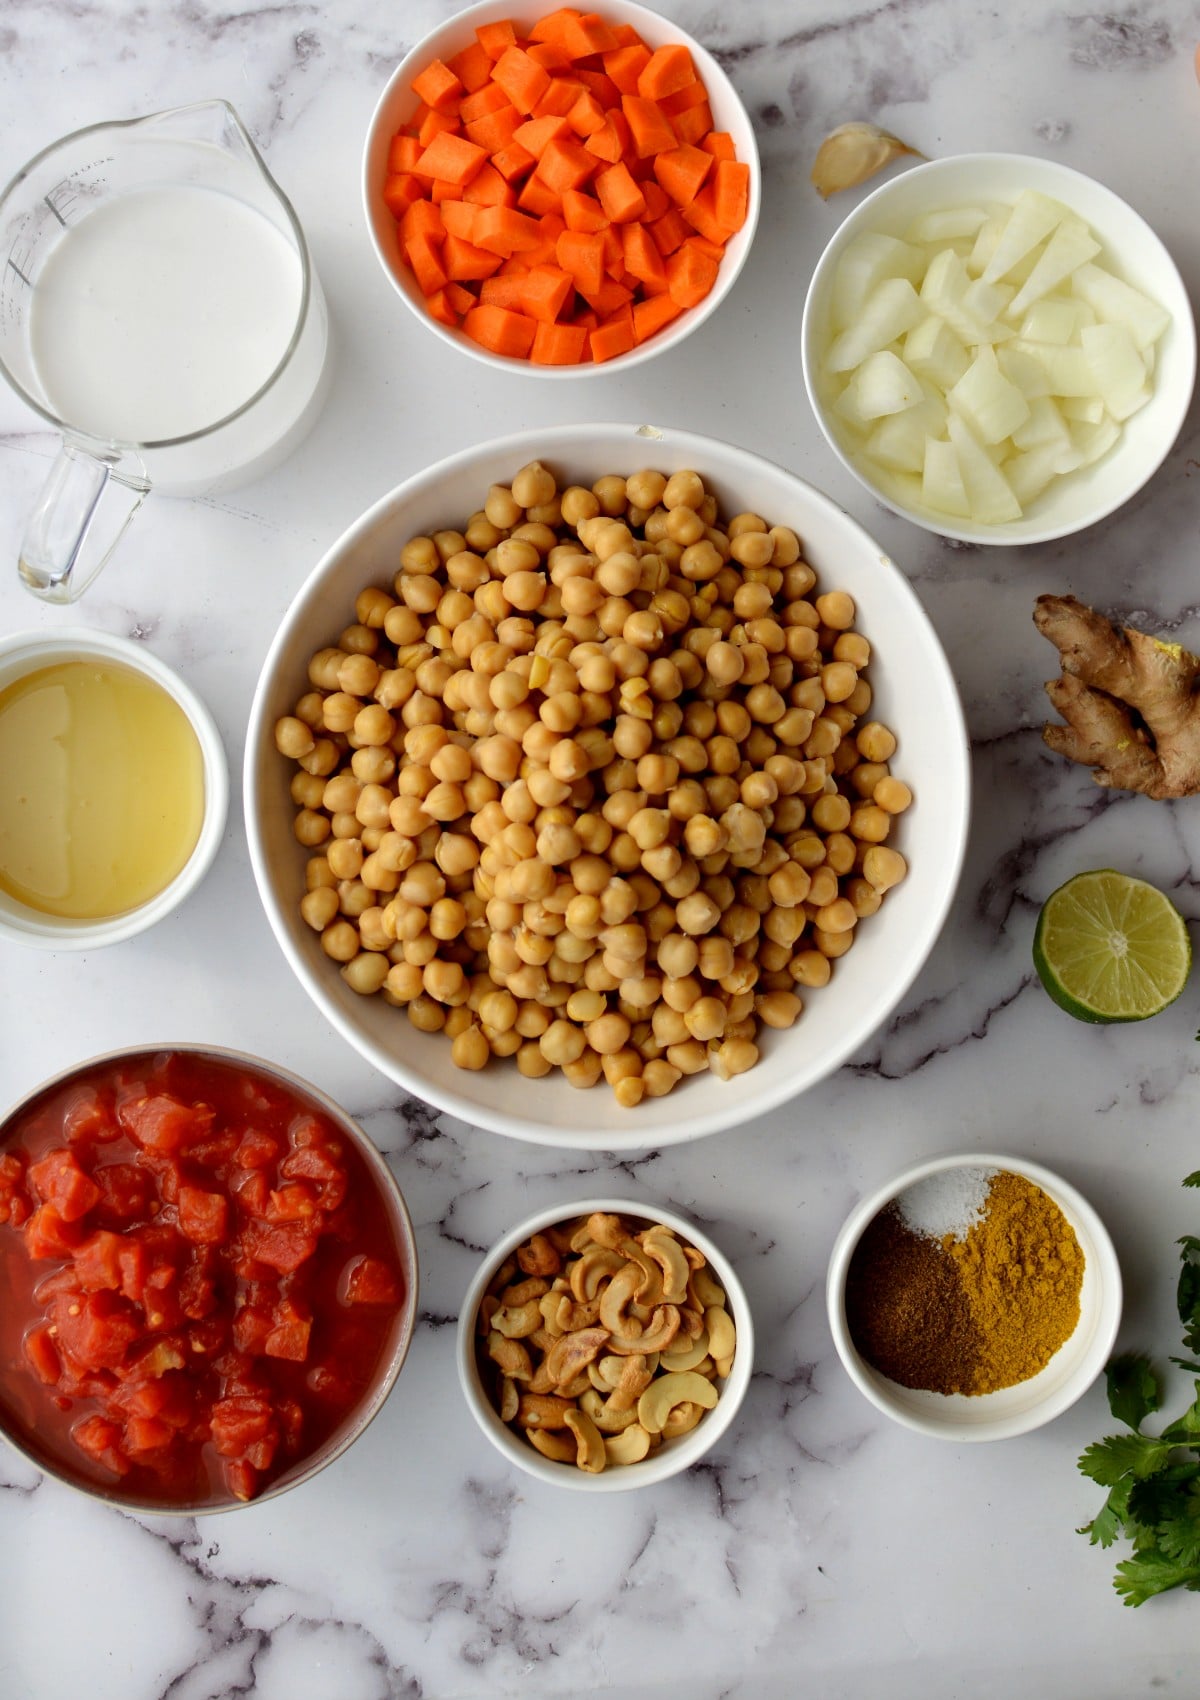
{"x": 674, "y": 1455}
{"x": 914, "y": 694}
{"x": 1128, "y": 247}
{"x": 27, "y": 652}
{"x": 398, "y": 102}
{"x": 1013, "y": 1410}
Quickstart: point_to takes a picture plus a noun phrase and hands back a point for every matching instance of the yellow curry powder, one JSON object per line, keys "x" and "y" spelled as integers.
{"x": 969, "y": 1314}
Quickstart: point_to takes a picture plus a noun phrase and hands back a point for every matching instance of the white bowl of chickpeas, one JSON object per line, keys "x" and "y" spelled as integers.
{"x": 583, "y": 759}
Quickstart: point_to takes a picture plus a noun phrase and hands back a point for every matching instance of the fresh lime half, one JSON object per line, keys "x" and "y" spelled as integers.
{"x": 1111, "y": 948}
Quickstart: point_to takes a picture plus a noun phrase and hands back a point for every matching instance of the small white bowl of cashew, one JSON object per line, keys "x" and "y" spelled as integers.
{"x": 649, "y": 1278}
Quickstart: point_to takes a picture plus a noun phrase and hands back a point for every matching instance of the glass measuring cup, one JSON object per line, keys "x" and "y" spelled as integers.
{"x": 159, "y": 308}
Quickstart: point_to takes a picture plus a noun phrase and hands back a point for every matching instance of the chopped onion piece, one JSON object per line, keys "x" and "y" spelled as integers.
{"x": 992, "y": 406}
{"x": 891, "y": 309}
{"x": 1071, "y": 246}
{"x": 1031, "y": 220}
{"x": 884, "y": 384}
{"x": 942, "y": 486}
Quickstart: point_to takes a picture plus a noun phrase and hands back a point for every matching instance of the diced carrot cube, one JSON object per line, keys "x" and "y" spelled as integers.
{"x": 642, "y": 257}
{"x": 536, "y": 134}
{"x": 439, "y": 308}
{"x": 670, "y": 231}
{"x": 719, "y": 143}
{"x": 693, "y": 125}
{"x": 656, "y": 198}
{"x": 490, "y": 98}
{"x": 612, "y": 142}
{"x": 436, "y": 124}
{"x": 626, "y": 64}
{"x": 545, "y": 291}
{"x": 501, "y": 331}
{"x": 504, "y": 288}
{"x": 587, "y": 34}
{"x": 504, "y": 231}
{"x": 488, "y": 188}
{"x": 614, "y": 250}
{"x": 464, "y": 262}
{"x": 693, "y": 94}
{"x": 565, "y": 165}
{"x": 427, "y": 264}
{"x": 550, "y": 57}
{"x": 438, "y": 87}
{"x": 559, "y": 345}
{"x": 619, "y": 194}
{"x": 472, "y": 67}
{"x": 584, "y": 212}
{"x": 453, "y": 159}
{"x": 682, "y": 172}
{"x": 523, "y": 80}
{"x": 403, "y": 152}
{"x": 611, "y": 297}
{"x": 691, "y": 273}
{"x": 513, "y": 161}
{"x": 648, "y": 124}
{"x": 400, "y": 190}
{"x": 496, "y": 38}
{"x": 459, "y": 298}
{"x": 458, "y": 218}
{"x": 601, "y": 85}
{"x": 731, "y": 196}
{"x": 559, "y": 98}
{"x": 613, "y": 336}
{"x": 581, "y": 254}
{"x": 422, "y": 219}
{"x": 701, "y": 213}
{"x": 538, "y": 197}
{"x": 651, "y": 315}
{"x": 667, "y": 70}
{"x": 587, "y": 115}
{"x": 494, "y": 130}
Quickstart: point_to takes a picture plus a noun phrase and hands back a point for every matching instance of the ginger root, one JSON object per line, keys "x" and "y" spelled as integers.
{"x": 1130, "y": 701}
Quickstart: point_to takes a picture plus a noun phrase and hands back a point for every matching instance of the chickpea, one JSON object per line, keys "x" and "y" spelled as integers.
{"x": 366, "y": 972}
{"x": 884, "y": 868}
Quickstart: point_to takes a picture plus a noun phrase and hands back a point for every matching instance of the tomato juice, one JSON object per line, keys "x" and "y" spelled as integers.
{"x": 201, "y": 1281}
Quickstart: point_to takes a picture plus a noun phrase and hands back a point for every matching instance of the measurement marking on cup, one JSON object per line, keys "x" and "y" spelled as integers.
{"x": 55, "y": 211}
{"x": 19, "y": 272}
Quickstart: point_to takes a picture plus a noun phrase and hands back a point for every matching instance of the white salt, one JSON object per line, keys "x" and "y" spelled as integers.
{"x": 950, "y": 1202}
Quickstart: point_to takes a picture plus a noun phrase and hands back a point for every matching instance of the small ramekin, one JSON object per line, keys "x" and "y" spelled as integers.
{"x": 674, "y": 1455}
{"x": 27, "y": 652}
{"x": 1012, "y": 1410}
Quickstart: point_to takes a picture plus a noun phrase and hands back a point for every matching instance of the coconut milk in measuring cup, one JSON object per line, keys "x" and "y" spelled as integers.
{"x": 158, "y": 306}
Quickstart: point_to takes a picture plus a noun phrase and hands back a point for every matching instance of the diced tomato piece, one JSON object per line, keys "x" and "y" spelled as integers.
{"x": 289, "y": 1336}
{"x": 317, "y": 1163}
{"x": 240, "y": 1422}
{"x": 62, "y": 1281}
{"x": 101, "y": 1440}
{"x": 163, "y": 1123}
{"x": 97, "y": 1329}
{"x": 295, "y": 1202}
{"x": 47, "y": 1235}
{"x": 58, "y": 1179}
{"x": 133, "y": 1266}
{"x": 197, "y": 1288}
{"x": 162, "y": 1357}
{"x": 14, "y": 1199}
{"x": 161, "y": 1300}
{"x": 242, "y": 1480}
{"x": 90, "y": 1117}
{"x": 207, "y": 1339}
{"x": 215, "y": 1153}
{"x": 42, "y": 1355}
{"x": 251, "y": 1327}
{"x": 98, "y": 1261}
{"x": 126, "y": 1194}
{"x": 256, "y": 1150}
{"x": 368, "y": 1281}
{"x": 147, "y": 1434}
{"x": 203, "y": 1216}
{"x": 252, "y": 1191}
{"x": 283, "y": 1246}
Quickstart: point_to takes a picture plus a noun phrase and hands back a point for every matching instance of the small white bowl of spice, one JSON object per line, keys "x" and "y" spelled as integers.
{"x": 113, "y": 789}
{"x": 974, "y": 1297}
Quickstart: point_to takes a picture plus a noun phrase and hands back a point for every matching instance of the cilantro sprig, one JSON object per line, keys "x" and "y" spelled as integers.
{"x": 1153, "y": 1481}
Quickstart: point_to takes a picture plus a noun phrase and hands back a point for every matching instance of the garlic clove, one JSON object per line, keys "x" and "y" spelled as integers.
{"x": 852, "y": 153}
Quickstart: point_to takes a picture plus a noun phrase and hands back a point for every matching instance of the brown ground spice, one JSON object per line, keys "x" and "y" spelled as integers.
{"x": 971, "y": 1315}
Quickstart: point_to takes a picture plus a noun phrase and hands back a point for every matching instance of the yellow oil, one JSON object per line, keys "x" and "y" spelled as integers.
{"x": 101, "y": 789}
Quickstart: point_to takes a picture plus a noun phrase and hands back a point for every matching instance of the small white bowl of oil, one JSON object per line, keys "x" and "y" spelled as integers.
{"x": 113, "y": 789}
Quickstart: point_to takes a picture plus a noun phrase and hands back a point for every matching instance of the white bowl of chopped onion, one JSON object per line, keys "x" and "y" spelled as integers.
{"x": 912, "y": 692}
{"x": 998, "y": 348}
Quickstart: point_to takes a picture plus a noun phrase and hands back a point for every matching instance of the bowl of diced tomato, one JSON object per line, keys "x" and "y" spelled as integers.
{"x": 208, "y": 1279}
{"x": 564, "y": 192}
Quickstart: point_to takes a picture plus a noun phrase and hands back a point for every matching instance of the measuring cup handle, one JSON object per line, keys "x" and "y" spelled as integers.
{"x": 80, "y": 517}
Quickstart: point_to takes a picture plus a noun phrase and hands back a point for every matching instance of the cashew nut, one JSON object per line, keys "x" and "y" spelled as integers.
{"x": 628, "y": 1447}
{"x": 668, "y": 1391}
{"x": 539, "y": 1256}
{"x": 509, "y": 1398}
{"x": 601, "y": 1413}
{"x": 554, "y": 1443}
{"x": 723, "y": 1367}
{"x": 548, "y": 1304}
{"x": 703, "y": 1290}
{"x": 509, "y": 1356}
{"x": 650, "y": 1292}
{"x": 681, "y": 1419}
{"x": 521, "y": 1292}
{"x": 721, "y": 1335}
{"x": 594, "y": 1266}
{"x": 688, "y": 1356}
{"x": 656, "y": 1336}
{"x": 516, "y": 1322}
{"x": 572, "y": 1353}
{"x": 542, "y": 1410}
{"x": 590, "y": 1451}
{"x": 661, "y": 1244}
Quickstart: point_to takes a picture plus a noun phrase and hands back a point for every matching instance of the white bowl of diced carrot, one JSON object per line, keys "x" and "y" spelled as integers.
{"x": 561, "y": 193}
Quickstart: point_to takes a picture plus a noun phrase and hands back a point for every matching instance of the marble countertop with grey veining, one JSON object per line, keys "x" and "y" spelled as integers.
{"x": 819, "y": 1548}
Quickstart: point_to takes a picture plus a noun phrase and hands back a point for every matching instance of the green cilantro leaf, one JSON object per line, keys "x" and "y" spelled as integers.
{"x": 1194, "y": 1178}
{"x": 1187, "y": 1298}
{"x": 1106, "y": 1461}
{"x": 1109, "y": 1521}
{"x": 1133, "y": 1389}
{"x": 1139, "y": 1578}
{"x": 1185, "y": 1430}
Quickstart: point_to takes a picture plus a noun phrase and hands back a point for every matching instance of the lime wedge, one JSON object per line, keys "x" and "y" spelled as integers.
{"x": 1111, "y": 948}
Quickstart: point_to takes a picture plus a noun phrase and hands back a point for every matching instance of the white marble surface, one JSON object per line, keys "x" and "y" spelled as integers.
{"x": 820, "y": 1548}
